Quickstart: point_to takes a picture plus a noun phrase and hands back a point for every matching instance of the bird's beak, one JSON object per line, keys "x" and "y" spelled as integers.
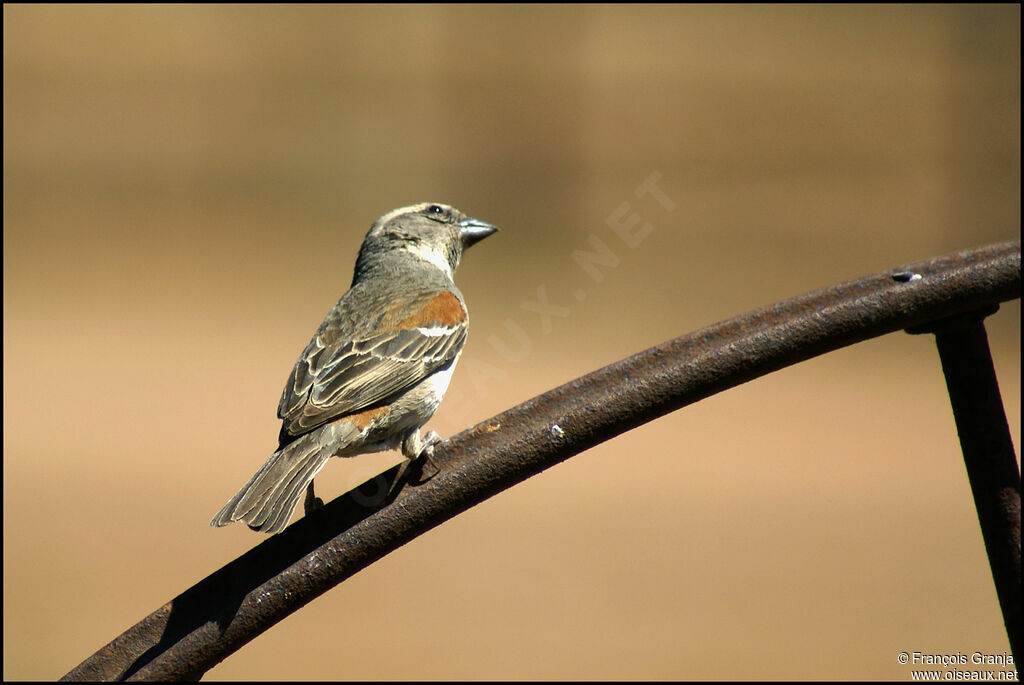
{"x": 473, "y": 231}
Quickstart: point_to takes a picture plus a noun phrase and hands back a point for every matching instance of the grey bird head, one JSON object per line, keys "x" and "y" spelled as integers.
{"x": 430, "y": 231}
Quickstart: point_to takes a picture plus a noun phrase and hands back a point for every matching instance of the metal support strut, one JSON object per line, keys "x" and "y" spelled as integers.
{"x": 988, "y": 453}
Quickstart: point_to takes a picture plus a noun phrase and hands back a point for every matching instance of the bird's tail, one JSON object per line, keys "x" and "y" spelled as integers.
{"x": 266, "y": 502}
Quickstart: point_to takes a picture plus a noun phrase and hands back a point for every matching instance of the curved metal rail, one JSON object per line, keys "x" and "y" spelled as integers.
{"x": 208, "y": 622}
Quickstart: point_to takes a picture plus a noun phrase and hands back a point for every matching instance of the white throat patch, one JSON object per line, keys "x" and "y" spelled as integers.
{"x": 433, "y": 256}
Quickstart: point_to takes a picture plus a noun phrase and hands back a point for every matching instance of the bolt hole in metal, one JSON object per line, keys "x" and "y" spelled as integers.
{"x": 906, "y": 276}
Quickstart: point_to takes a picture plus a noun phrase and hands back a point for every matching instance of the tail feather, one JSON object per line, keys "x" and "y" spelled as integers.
{"x": 266, "y": 502}
{"x": 273, "y": 510}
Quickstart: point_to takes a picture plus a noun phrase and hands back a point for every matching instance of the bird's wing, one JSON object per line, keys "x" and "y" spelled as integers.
{"x": 343, "y": 371}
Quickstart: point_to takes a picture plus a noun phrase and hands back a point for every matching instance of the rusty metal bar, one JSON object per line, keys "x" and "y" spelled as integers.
{"x": 202, "y": 626}
{"x": 988, "y": 452}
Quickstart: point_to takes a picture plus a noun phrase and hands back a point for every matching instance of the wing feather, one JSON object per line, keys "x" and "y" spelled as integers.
{"x": 338, "y": 375}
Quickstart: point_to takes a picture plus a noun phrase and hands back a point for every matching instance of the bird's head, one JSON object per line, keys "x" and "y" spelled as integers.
{"x": 431, "y": 231}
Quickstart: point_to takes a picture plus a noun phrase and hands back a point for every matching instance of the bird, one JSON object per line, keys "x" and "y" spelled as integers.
{"x": 378, "y": 366}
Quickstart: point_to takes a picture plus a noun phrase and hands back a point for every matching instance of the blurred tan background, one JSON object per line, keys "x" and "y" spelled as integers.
{"x": 185, "y": 189}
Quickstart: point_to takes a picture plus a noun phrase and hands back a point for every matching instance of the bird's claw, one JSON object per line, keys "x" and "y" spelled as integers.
{"x": 418, "y": 452}
{"x": 312, "y": 502}
{"x": 425, "y": 467}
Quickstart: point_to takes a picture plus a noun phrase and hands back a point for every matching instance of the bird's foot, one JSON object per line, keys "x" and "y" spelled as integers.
{"x": 419, "y": 456}
{"x": 312, "y": 502}
{"x": 417, "y": 467}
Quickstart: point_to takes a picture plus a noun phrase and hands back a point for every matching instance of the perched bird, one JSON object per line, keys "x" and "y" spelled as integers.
{"x": 378, "y": 366}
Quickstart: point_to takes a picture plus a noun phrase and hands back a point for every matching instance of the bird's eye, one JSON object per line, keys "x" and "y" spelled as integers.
{"x": 438, "y": 213}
